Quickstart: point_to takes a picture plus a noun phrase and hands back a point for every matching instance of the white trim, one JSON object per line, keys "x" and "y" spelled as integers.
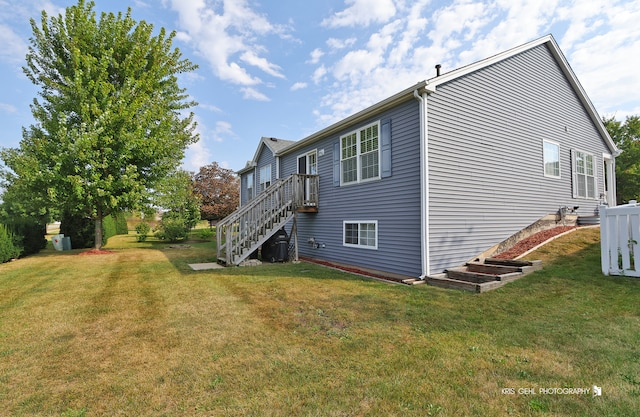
{"x": 251, "y": 185}
{"x": 360, "y": 222}
{"x": 431, "y": 85}
{"x": 575, "y": 175}
{"x": 358, "y": 155}
{"x": 609, "y": 163}
{"x": 424, "y": 184}
{"x": 275, "y": 145}
{"x": 544, "y": 167}
{"x": 261, "y": 180}
{"x": 306, "y": 156}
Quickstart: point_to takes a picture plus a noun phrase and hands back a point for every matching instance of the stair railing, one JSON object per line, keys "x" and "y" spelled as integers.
{"x": 243, "y": 231}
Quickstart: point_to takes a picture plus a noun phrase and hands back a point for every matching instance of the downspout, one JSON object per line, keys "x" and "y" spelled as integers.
{"x": 424, "y": 184}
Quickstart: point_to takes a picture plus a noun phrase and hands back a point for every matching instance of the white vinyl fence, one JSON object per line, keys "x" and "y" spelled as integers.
{"x": 619, "y": 239}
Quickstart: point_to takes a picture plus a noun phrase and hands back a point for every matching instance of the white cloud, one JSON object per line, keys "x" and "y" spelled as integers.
{"x": 298, "y": 86}
{"x": 253, "y": 94}
{"x": 14, "y": 49}
{"x": 200, "y": 154}
{"x": 600, "y": 38}
{"x": 607, "y": 67}
{"x": 230, "y": 36}
{"x": 196, "y": 156}
{"x": 210, "y": 107}
{"x": 222, "y": 129}
{"x": 506, "y": 25}
{"x": 319, "y": 74}
{"x": 336, "y": 44}
{"x": 362, "y": 13}
{"x": 252, "y": 59}
{"x": 8, "y": 108}
{"x": 316, "y": 54}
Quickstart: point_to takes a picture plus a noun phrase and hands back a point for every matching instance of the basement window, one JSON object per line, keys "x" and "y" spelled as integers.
{"x": 362, "y": 234}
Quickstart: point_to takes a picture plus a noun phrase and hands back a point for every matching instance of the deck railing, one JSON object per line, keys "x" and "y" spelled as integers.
{"x": 243, "y": 231}
{"x": 620, "y": 239}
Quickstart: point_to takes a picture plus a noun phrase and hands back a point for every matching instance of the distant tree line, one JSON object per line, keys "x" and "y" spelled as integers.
{"x": 626, "y": 135}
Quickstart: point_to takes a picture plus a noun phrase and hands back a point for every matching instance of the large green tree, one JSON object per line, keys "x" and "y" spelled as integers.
{"x": 111, "y": 118}
{"x": 626, "y": 136}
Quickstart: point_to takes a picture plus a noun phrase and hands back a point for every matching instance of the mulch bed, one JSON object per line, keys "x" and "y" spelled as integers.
{"x": 532, "y": 241}
{"x": 350, "y": 269}
{"x": 97, "y": 252}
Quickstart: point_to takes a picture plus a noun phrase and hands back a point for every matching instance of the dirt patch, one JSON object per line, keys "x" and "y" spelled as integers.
{"x": 532, "y": 241}
{"x": 97, "y": 252}
{"x": 181, "y": 246}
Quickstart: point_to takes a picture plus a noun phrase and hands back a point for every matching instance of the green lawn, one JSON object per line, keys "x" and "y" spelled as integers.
{"x": 138, "y": 333}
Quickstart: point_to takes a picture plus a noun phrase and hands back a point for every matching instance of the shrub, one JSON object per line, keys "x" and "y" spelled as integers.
{"x": 172, "y": 229}
{"x": 121, "y": 224}
{"x": 205, "y": 234}
{"x": 28, "y": 234}
{"x": 80, "y": 229}
{"x": 108, "y": 228}
{"x": 8, "y": 246}
{"x": 142, "y": 229}
{"x": 114, "y": 224}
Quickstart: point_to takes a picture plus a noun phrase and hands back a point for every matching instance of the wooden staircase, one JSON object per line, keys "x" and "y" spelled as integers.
{"x": 245, "y": 230}
{"x": 484, "y": 276}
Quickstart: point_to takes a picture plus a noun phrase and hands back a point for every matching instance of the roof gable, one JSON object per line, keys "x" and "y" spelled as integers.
{"x": 432, "y": 84}
{"x": 275, "y": 145}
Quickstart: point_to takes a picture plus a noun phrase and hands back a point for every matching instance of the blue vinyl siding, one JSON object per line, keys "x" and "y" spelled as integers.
{"x": 486, "y": 133}
{"x": 265, "y": 158}
{"x": 392, "y": 201}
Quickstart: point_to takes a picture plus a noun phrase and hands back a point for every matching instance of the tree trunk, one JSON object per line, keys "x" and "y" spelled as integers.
{"x": 98, "y": 230}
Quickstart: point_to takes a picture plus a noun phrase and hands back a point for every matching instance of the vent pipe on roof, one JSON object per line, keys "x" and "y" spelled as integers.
{"x": 438, "y": 66}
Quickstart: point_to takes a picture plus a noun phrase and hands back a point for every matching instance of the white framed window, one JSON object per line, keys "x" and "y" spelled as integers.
{"x": 360, "y": 155}
{"x": 250, "y": 192}
{"x": 551, "y": 157}
{"x": 584, "y": 175}
{"x": 361, "y": 233}
{"x": 265, "y": 177}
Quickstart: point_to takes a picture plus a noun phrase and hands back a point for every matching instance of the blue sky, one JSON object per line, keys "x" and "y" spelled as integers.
{"x": 288, "y": 68}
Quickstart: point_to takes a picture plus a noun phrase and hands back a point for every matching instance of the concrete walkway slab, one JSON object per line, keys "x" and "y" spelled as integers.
{"x": 205, "y": 266}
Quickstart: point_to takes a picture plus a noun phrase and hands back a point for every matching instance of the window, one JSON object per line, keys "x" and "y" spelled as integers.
{"x": 362, "y": 234}
{"x": 265, "y": 177}
{"x": 250, "y": 186}
{"x": 551, "y": 159}
{"x": 360, "y": 155}
{"x": 584, "y": 175}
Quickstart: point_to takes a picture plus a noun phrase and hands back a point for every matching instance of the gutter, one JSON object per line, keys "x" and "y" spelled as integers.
{"x": 424, "y": 184}
{"x": 402, "y": 96}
